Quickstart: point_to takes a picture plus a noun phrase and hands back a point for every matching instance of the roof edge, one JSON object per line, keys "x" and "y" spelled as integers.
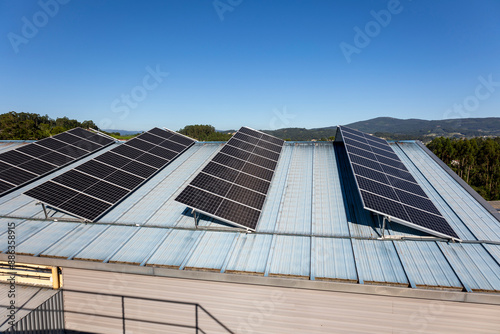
{"x": 458, "y": 179}
{"x": 380, "y": 290}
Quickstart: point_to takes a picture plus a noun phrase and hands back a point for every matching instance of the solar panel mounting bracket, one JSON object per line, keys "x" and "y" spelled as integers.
{"x": 44, "y": 209}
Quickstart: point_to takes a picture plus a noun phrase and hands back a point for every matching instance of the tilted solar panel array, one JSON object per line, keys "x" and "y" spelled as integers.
{"x": 28, "y": 162}
{"x": 234, "y": 184}
{"x": 92, "y": 188}
{"x": 387, "y": 187}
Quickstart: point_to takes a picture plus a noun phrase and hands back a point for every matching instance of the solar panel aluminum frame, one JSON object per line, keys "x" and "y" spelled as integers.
{"x": 16, "y": 187}
{"x": 339, "y": 138}
{"x": 246, "y": 228}
{"x": 124, "y": 197}
{"x": 194, "y": 210}
{"x": 177, "y": 133}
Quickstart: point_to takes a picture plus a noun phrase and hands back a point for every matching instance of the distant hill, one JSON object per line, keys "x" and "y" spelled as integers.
{"x": 462, "y": 127}
{"x": 403, "y": 129}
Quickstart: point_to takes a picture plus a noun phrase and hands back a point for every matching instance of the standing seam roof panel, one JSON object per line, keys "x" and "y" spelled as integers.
{"x": 250, "y": 254}
{"x": 296, "y": 208}
{"x": 272, "y": 206}
{"x": 474, "y": 266}
{"x": 328, "y": 212}
{"x": 168, "y": 212}
{"x": 425, "y": 264}
{"x": 333, "y": 259}
{"x": 481, "y": 223}
{"x": 450, "y": 216}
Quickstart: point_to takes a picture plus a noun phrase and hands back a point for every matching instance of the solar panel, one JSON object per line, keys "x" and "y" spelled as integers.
{"x": 94, "y": 187}
{"x": 233, "y": 186}
{"x": 387, "y": 188}
{"x": 28, "y": 162}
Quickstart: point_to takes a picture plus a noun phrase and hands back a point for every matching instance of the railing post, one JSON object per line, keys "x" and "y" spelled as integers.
{"x": 123, "y": 313}
{"x": 196, "y": 316}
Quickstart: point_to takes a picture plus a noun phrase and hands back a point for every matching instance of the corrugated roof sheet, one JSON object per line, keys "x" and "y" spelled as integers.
{"x": 312, "y": 226}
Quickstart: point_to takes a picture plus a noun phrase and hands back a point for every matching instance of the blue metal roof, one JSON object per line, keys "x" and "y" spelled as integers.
{"x": 312, "y": 226}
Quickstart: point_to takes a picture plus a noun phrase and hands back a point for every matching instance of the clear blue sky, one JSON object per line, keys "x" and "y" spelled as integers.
{"x": 261, "y": 63}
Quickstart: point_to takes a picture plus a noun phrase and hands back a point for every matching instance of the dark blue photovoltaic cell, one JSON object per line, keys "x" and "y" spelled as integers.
{"x": 181, "y": 140}
{"x": 16, "y": 176}
{"x": 221, "y": 171}
{"x": 127, "y": 151}
{"x": 384, "y": 205}
{"x": 152, "y": 160}
{"x": 4, "y": 186}
{"x": 234, "y": 185}
{"x": 15, "y": 158}
{"x": 263, "y": 162}
{"x": 417, "y": 201}
{"x": 365, "y": 162}
{"x": 398, "y": 173}
{"x": 247, "y": 197}
{"x": 376, "y": 188}
{"x": 266, "y": 153}
{"x": 357, "y": 144}
{"x": 85, "y": 206}
{"x": 68, "y": 138}
{"x": 211, "y": 184}
{"x": 95, "y": 168}
{"x": 246, "y": 138}
{"x": 251, "y": 132}
{"x": 56, "y": 158}
{"x": 139, "y": 169}
{"x": 52, "y": 193}
{"x": 33, "y": 150}
{"x": 240, "y": 214}
{"x": 31, "y": 161}
{"x": 269, "y": 146}
{"x": 405, "y": 185}
{"x": 140, "y": 144}
{"x": 87, "y": 145}
{"x": 272, "y": 140}
{"x": 51, "y": 143}
{"x": 161, "y": 133}
{"x": 241, "y": 145}
{"x": 349, "y": 130}
{"x": 228, "y": 161}
{"x": 384, "y": 153}
{"x": 113, "y": 159}
{"x": 258, "y": 171}
{"x": 362, "y": 153}
{"x": 370, "y": 173}
{"x": 391, "y": 162}
{"x": 235, "y": 152}
{"x": 387, "y": 187}
{"x": 151, "y": 138}
{"x": 383, "y": 146}
{"x": 200, "y": 199}
{"x": 170, "y": 145}
{"x": 251, "y": 182}
{"x": 430, "y": 221}
{"x": 105, "y": 180}
{"x": 75, "y": 180}
{"x": 37, "y": 167}
{"x": 355, "y": 137}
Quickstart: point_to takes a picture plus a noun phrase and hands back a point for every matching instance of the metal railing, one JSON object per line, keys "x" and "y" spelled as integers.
{"x": 129, "y": 316}
{"x": 46, "y": 318}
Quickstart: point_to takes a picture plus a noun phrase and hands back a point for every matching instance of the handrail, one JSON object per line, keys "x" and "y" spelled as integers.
{"x": 123, "y": 317}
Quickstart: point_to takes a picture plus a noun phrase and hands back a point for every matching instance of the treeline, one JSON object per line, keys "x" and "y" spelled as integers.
{"x": 204, "y": 133}
{"x": 476, "y": 161}
{"x": 28, "y": 126}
